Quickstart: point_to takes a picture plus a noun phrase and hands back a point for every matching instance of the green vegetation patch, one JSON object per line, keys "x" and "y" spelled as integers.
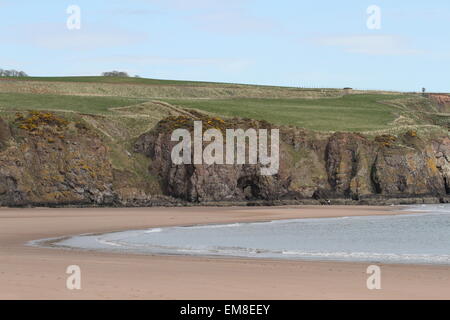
{"x": 81, "y": 104}
{"x": 349, "y": 113}
{"x": 131, "y": 80}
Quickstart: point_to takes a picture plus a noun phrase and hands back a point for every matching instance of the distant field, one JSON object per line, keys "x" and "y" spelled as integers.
{"x": 132, "y": 80}
{"x": 154, "y": 89}
{"x": 81, "y": 104}
{"x": 349, "y": 113}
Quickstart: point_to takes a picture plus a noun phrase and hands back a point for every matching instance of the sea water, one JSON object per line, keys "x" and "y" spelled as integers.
{"x": 411, "y": 238}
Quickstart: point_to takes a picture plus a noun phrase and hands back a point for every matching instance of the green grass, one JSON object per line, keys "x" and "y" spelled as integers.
{"x": 132, "y": 80}
{"x": 349, "y": 113}
{"x": 94, "y": 79}
{"x": 81, "y": 104}
{"x": 154, "y": 89}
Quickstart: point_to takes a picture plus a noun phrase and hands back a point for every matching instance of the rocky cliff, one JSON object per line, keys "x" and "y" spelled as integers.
{"x": 342, "y": 166}
{"x": 441, "y": 100}
{"x": 51, "y": 161}
{"x": 46, "y": 160}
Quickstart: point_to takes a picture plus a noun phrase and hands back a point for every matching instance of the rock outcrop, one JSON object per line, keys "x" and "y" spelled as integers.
{"x": 5, "y": 134}
{"x": 441, "y": 100}
{"x": 50, "y": 161}
{"x": 206, "y": 183}
{"x": 338, "y": 166}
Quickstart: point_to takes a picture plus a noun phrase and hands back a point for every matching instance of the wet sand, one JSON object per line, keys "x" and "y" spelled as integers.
{"x": 39, "y": 273}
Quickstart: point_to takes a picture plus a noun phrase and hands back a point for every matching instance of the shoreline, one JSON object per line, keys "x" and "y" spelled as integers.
{"x": 370, "y": 201}
{"x": 52, "y": 243}
{"x": 39, "y": 273}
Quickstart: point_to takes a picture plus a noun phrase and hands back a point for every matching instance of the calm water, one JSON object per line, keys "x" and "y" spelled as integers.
{"x": 415, "y": 238}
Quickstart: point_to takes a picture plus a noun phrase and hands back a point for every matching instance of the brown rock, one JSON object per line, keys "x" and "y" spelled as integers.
{"x": 36, "y": 171}
{"x": 5, "y": 134}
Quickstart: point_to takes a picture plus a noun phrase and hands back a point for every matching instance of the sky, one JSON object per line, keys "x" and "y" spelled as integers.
{"x": 402, "y": 45}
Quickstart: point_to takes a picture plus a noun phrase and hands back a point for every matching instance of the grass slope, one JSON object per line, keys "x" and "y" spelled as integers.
{"x": 132, "y": 80}
{"x": 81, "y": 104}
{"x": 348, "y": 113}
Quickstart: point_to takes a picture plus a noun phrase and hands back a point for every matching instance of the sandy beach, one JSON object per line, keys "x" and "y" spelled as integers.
{"x": 39, "y": 273}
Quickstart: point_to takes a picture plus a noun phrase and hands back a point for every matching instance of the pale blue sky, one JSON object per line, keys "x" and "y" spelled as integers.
{"x": 296, "y": 43}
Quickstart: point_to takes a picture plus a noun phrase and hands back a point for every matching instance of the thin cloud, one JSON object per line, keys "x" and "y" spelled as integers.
{"x": 233, "y": 64}
{"x": 134, "y": 12}
{"x": 218, "y": 16}
{"x": 231, "y": 22}
{"x": 58, "y": 37}
{"x": 195, "y": 4}
{"x": 385, "y": 45}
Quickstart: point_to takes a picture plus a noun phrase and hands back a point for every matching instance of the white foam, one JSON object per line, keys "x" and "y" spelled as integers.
{"x": 155, "y": 230}
{"x": 108, "y": 243}
{"x": 425, "y": 258}
{"x": 216, "y": 226}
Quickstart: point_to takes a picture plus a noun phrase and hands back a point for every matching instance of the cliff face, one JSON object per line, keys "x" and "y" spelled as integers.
{"x": 46, "y": 160}
{"x": 340, "y": 166}
{"x": 204, "y": 183}
{"x": 442, "y": 101}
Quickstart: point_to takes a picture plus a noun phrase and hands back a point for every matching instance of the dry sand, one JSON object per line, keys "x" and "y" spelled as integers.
{"x": 39, "y": 273}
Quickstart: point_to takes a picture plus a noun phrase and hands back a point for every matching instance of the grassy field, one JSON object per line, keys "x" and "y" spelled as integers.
{"x": 81, "y": 104}
{"x": 146, "y": 81}
{"x": 316, "y": 109}
{"x": 129, "y": 80}
{"x": 155, "y": 89}
{"x": 349, "y": 113}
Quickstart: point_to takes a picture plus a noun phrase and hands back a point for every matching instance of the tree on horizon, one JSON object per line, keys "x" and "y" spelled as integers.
{"x": 12, "y": 73}
{"x": 115, "y": 74}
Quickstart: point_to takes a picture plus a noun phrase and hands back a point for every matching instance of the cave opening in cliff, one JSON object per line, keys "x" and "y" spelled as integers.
{"x": 249, "y": 188}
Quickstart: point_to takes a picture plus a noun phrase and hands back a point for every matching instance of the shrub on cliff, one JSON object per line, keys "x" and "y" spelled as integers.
{"x": 386, "y": 140}
{"x": 36, "y": 119}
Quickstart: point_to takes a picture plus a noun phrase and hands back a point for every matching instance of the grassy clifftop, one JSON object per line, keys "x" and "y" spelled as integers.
{"x": 317, "y": 109}
{"x": 126, "y": 107}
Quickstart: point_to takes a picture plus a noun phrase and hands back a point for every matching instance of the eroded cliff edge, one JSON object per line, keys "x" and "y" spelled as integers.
{"x": 51, "y": 161}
